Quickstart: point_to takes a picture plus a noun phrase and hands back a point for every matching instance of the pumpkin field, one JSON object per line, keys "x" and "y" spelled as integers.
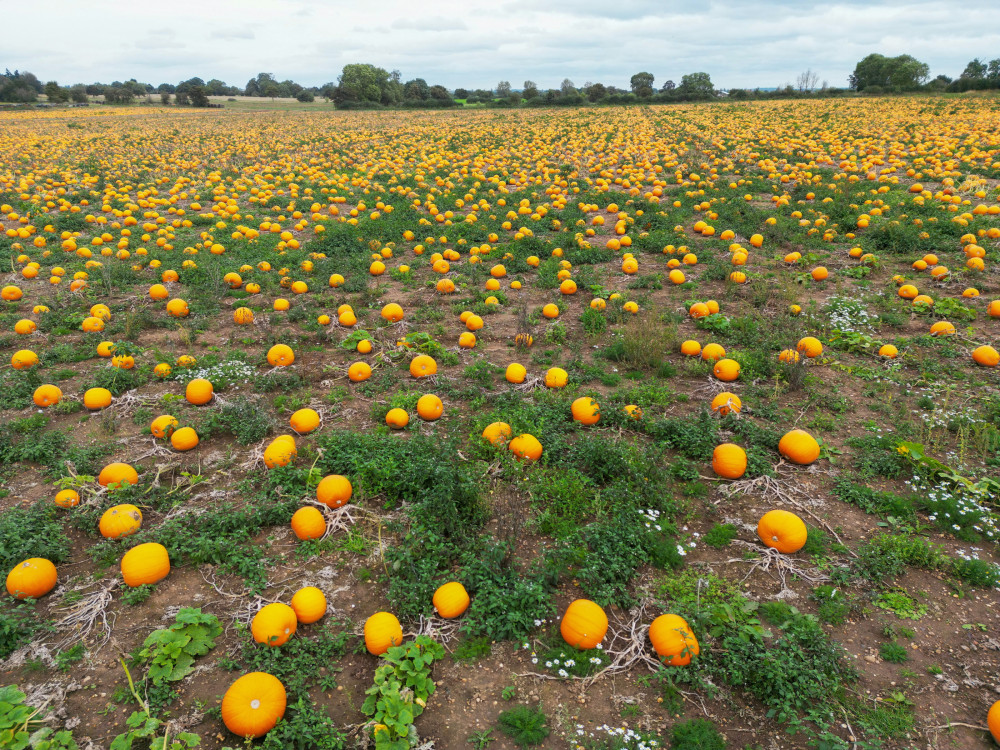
{"x": 616, "y": 427}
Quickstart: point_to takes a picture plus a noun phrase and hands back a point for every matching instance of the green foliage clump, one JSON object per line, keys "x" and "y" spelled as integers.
{"x": 525, "y": 726}
{"x": 171, "y": 651}
{"x": 32, "y": 531}
{"x": 720, "y": 535}
{"x": 696, "y": 734}
{"x": 21, "y": 725}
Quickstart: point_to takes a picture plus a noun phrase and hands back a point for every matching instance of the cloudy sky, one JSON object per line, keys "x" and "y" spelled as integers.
{"x": 476, "y": 43}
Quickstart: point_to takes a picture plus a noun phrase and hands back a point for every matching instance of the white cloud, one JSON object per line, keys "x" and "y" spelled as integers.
{"x": 475, "y": 43}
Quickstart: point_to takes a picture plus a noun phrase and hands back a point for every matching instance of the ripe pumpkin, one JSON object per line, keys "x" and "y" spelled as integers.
{"x": 551, "y": 311}
{"x": 253, "y": 704}
{"x": 334, "y": 490}
{"x": 467, "y": 340}
{"x": 199, "y": 392}
{"x": 280, "y": 452}
{"x": 993, "y": 721}
{"x": 429, "y": 407}
{"x": 280, "y": 355}
{"x": 309, "y": 604}
{"x": 97, "y": 398}
{"x": 526, "y": 446}
{"x": 942, "y": 328}
{"x": 729, "y": 461}
{"x": 986, "y": 356}
{"x": 145, "y": 563}
{"x": 67, "y": 498}
{"x": 46, "y": 395}
{"x": 274, "y": 624}
{"x": 586, "y": 411}
{"x": 819, "y": 273}
{"x": 32, "y": 578}
{"x": 584, "y": 624}
{"x": 727, "y": 370}
{"x": 497, "y": 433}
{"x": 516, "y": 373}
{"x": 184, "y": 439}
{"x": 713, "y": 352}
{"x": 799, "y": 447}
{"x": 397, "y": 418}
{"x": 633, "y": 411}
{"x": 422, "y": 366}
{"x": 810, "y": 346}
{"x": 451, "y": 600}
{"x": 382, "y": 630}
{"x": 308, "y": 523}
{"x": 726, "y": 402}
{"x": 304, "y": 421}
{"x": 392, "y": 312}
{"x": 673, "y": 640}
{"x": 120, "y": 521}
{"x": 782, "y": 530}
{"x": 359, "y": 371}
{"x": 24, "y": 359}
{"x": 556, "y": 377}
{"x": 117, "y": 473}
{"x": 691, "y": 348}
{"x": 888, "y": 351}
{"x": 243, "y": 316}
{"x": 789, "y": 355}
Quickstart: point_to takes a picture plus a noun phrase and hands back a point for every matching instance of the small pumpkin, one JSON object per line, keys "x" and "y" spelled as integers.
{"x": 382, "y": 630}
{"x": 993, "y": 721}
{"x": 586, "y": 411}
{"x": 673, "y": 640}
{"x": 280, "y": 452}
{"x": 280, "y": 355}
{"x": 584, "y": 624}
{"x": 986, "y": 356}
{"x": 429, "y": 407}
{"x": 32, "y": 578}
{"x": 556, "y": 377}
{"x": 726, "y": 370}
{"x": 451, "y": 600}
{"x": 397, "y": 418}
{"x": 97, "y": 398}
{"x": 309, "y": 604}
{"x": 423, "y": 366}
{"x": 145, "y": 563}
{"x": 184, "y": 439}
{"x": 304, "y": 421}
{"x": 799, "y": 447}
{"x": 120, "y": 521}
{"x": 67, "y": 498}
{"x": 199, "y": 392}
{"x": 497, "y": 433}
{"x": 810, "y": 346}
{"x": 46, "y": 395}
{"x": 516, "y": 373}
{"x": 359, "y": 371}
{"x": 117, "y": 473}
{"x": 713, "y": 352}
{"x": 782, "y": 530}
{"x": 274, "y": 624}
{"x": 253, "y": 704}
{"x": 163, "y": 426}
{"x": 729, "y": 461}
{"x": 526, "y": 446}
{"x": 726, "y": 402}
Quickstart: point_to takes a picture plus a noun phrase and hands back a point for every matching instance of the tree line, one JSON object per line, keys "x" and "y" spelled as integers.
{"x": 362, "y": 85}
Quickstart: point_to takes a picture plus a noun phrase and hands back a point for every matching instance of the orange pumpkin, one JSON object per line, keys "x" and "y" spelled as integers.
{"x": 713, "y": 352}
{"x": 274, "y": 624}
{"x": 584, "y": 624}
{"x": 451, "y": 600}
{"x": 120, "y": 521}
{"x": 280, "y": 452}
{"x": 199, "y": 392}
{"x": 993, "y": 721}
{"x": 392, "y": 312}
{"x": 556, "y": 377}
{"x": 497, "y": 433}
{"x": 46, "y": 395}
{"x": 117, "y": 473}
{"x": 799, "y": 447}
{"x": 726, "y": 402}
{"x": 515, "y": 373}
{"x": 67, "y": 498}
{"x": 359, "y": 371}
{"x": 429, "y": 407}
{"x": 382, "y": 630}
{"x": 423, "y": 366}
{"x": 691, "y": 348}
{"x": 309, "y": 604}
{"x": 397, "y": 418}
{"x": 280, "y": 355}
{"x": 253, "y": 704}
{"x": 334, "y": 490}
{"x": 304, "y": 421}
{"x": 526, "y": 446}
{"x": 810, "y": 346}
{"x": 308, "y": 523}
{"x": 145, "y": 563}
{"x": 782, "y": 530}
{"x": 726, "y": 370}
{"x": 729, "y": 461}
{"x": 184, "y": 439}
{"x": 586, "y": 411}
{"x": 986, "y": 356}
{"x": 32, "y": 578}
{"x": 24, "y": 359}
{"x": 97, "y": 398}
{"x": 673, "y": 640}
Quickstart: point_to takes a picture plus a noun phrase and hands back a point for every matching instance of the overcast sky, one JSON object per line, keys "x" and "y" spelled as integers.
{"x": 476, "y": 43}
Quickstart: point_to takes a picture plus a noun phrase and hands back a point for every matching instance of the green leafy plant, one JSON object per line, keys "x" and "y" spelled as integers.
{"x": 696, "y": 734}
{"x": 21, "y": 726}
{"x": 171, "y": 651}
{"x": 893, "y": 652}
{"x": 720, "y": 535}
{"x": 526, "y": 726}
{"x": 901, "y": 605}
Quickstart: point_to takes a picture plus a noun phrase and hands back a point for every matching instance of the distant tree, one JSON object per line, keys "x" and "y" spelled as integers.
{"x": 483, "y": 95}
{"x": 416, "y": 90}
{"x": 806, "y": 80}
{"x": 440, "y": 93}
{"x": 993, "y": 68}
{"x": 271, "y": 90}
{"x": 461, "y": 93}
{"x": 306, "y": 96}
{"x": 642, "y": 84}
{"x": 901, "y": 73}
{"x": 19, "y": 87}
{"x": 138, "y": 89}
{"x": 596, "y": 91}
{"x": 198, "y": 96}
{"x": 668, "y": 85}
{"x": 190, "y": 83}
{"x": 975, "y": 70}
{"x": 551, "y": 96}
{"x": 366, "y": 83}
{"x": 55, "y": 93}
{"x": 255, "y": 86}
{"x": 697, "y": 84}
{"x": 290, "y": 88}
{"x": 566, "y": 88}
{"x": 503, "y": 89}
{"x": 164, "y": 97}
{"x": 328, "y": 90}
{"x": 215, "y": 87}
{"x": 118, "y": 95}
{"x": 529, "y": 90}
{"x": 168, "y": 87}
{"x": 78, "y": 94}
{"x": 181, "y": 97}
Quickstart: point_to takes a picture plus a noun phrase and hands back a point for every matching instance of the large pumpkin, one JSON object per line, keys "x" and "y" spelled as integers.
{"x": 382, "y": 630}
{"x": 451, "y": 600}
{"x": 274, "y": 624}
{"x": 32, "y": 578}
{"x": 146, "y": 563}
{"x": 783, "y": 530}
{"x": 334, "y": 490}
{"x": 253, "y": 704}
{"x": 586, "y": 411}
{"x": 799, "y": 447}
{"x": 120, "y": 521}
{"x": 308, "y": 523}
{"x": 729, "y": 461}
{"x": 309, "y": 605}
{"x": 673, "y": 640}
{"x": 584, "y": 624}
